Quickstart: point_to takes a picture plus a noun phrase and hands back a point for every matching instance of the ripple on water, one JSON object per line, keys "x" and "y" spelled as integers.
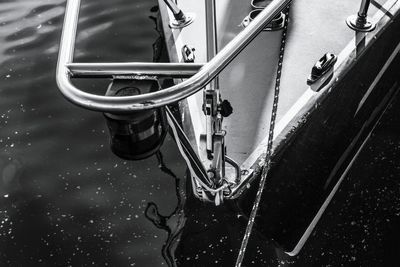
{"x": 66, "y": 199}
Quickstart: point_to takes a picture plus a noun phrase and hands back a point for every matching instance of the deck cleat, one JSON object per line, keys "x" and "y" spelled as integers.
{"x": 321, "y": 68}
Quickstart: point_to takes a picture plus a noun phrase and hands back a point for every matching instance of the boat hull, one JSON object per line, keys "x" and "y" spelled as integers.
{"x": 312, "y": 159}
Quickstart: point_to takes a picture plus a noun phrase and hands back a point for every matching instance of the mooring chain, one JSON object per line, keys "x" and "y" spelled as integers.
{"x": 267, "y": 163}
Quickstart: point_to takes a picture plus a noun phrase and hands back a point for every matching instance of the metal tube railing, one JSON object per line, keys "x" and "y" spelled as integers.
{"x": 110, "y": 70}
{"x": 160, "y": 98}
{"x": 176, "y": 11}
{"x": 364, "y": 8}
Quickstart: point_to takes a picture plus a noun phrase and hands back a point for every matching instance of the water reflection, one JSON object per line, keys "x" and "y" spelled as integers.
{"x": 174, "y": 223}
{"x": 65, "y": 198}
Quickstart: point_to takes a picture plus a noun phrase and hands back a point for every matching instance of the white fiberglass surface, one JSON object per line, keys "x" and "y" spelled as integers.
{"x": 315, "y": 28}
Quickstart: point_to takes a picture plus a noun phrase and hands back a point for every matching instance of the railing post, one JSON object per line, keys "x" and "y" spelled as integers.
{"x": 181, "y": 20}
{"x": 211, "y": 29}
{"x": 361, "y": 22}
{"x": 212, "y": 38}
{"x": 215, "y": 136}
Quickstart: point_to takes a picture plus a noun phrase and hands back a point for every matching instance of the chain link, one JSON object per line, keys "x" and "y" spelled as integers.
{"x": 267, "y": 163}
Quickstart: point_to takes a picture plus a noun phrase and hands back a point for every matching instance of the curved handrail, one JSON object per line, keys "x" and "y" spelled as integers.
{"x": 163, "y": 97}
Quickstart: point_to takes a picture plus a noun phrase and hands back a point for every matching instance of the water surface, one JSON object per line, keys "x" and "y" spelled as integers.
{"x": 66, "y": 200}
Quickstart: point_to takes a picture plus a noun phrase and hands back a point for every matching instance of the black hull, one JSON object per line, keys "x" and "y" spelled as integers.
{"x": 308, "y": 165}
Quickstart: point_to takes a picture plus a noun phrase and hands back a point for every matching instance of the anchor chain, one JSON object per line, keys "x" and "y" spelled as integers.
{"x": 268, "y": 154}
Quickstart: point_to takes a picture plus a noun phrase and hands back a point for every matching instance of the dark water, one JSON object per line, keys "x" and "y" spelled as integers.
{"x": 66, "y": 200}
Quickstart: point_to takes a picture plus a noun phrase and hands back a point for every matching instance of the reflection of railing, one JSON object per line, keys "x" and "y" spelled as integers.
{"x": 206, "y": 73}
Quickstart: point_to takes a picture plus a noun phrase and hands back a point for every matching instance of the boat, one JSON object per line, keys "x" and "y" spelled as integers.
{"x": 275, "y": 100}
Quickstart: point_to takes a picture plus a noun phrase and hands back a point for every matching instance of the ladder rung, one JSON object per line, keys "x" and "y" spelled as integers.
{"x": 109, "y": 70}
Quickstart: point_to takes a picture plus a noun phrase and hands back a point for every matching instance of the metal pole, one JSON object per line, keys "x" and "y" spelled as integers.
{"x": 215, "y": 136}
{"x": 178, "y": 14}
{"x": 364, "y": 8}
{"x": 211, "y": 31}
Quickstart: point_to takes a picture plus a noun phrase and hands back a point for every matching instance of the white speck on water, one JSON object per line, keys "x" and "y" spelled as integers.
{"x": 6, "y": 196}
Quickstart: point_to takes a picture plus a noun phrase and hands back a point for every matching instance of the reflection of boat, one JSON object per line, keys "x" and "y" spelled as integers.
{"x": 206, "y": 235}
{"x": 319, "y": 128}
{"x": 174, "y": 223}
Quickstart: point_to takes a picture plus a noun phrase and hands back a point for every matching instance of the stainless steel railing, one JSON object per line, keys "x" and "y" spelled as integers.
{"x": 206, "y": 73}
{"x": 110, "y": 70}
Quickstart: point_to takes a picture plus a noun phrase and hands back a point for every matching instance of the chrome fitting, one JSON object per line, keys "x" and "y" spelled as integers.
{"x": 181, "y": 19}
{"x": 361, "y": 22}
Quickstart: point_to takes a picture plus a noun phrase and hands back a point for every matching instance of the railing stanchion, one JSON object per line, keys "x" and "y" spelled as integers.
{"x": 361, "y": 22}
{"x": 181, "y": 19}
{"x": 215, "y": 136}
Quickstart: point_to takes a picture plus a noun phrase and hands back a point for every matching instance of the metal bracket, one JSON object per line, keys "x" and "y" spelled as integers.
{"x": 210, "y": 109}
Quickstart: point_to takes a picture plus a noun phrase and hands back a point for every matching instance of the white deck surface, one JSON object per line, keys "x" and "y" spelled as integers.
{"x": 315, "y": 27}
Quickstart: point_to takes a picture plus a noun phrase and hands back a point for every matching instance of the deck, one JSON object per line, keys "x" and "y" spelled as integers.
{"x": 315, "y": 28}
